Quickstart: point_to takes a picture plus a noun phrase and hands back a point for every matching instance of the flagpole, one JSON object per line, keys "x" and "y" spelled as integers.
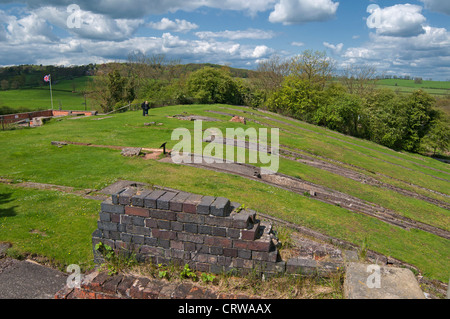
{"x": 51, "y": 95}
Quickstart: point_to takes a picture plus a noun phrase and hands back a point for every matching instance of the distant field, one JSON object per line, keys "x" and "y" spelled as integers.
{"x": 39, "y": 98}
{"x": 407, "y": 86}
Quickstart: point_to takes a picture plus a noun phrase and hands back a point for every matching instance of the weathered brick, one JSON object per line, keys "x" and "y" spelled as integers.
{"x": 219, "y": 231}
{"x": 152, "y": 250}
{"x": 244, "y": 254}
{"x": 107, "y": 206}
{"x": 125, "y": 196}
{"x": 188, "y": 246}
{"x": 205, "y": 258}
{"x": 105, "y": 217}
{"x": 240, "y": 244}
{"x": 163, "y": 214}
{"x": 150, "y": 199}
{"x": 203, "y": 267}
{"x": 301, "y": 266}
{"x": 243, "y": 219}
{"x": 177, "y": 226}
{"x": 163, "y": 224}
{"x": 218, "y": 221}
{"x": 110, "y": 286}
{"x": 260, "y": 245}
{"x": 177, "y": 244}
{"x": 137, "y": 211}
{"x": 250, "y": 234}
{"x": 115, "y": 197}
{"x": 191, "y": 228}
{"x": 220, "y": 207}
{"x": 138, "y": 230}
{"x": 107, "y": 226}
{"x": 218, "y": 241}
{"x": 138, "y": 198}
{"x": 164, "y": 234}
{"x": 125, "y": 285}
{"x": 163, "y": 202}
{"x": 202, "y": 249}
{"x": 233, "y": 233}
{"x": 205, "y": 229}
{"x": 150, "y": 241}
{"x": 115, "y": 218}
{"x": 176, "y": 203}
{"x": 230, "y": 252}
{"x": 204, "y": 206}
{"x": 150, "y": 223}
{"x": 164, "y": 243}
{"x": 138, "y": 239}
{"x": 216, "y": 250}
{"x": 190, "y": 204}
{"x": 190, "y": 218}
{"x": 197, "y": 239}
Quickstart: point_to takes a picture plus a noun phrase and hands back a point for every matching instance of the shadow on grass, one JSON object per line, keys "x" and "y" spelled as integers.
{"x": 6, "y": 212}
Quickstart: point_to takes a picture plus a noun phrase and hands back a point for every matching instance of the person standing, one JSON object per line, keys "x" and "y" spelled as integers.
{"x": 145, "y": 106}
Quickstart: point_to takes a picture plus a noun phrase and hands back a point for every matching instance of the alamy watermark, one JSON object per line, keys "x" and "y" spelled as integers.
{"x": 222, "y": 147}
{"x": 374, "y": 280}
{"x": 74, "y": 279}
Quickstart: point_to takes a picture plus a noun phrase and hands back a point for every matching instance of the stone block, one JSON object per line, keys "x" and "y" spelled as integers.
{"x": 163, "y": 202}
{"x": 205, "y": 229}
{"x": 233, "y": 233}
{"x": 230, "y": 252}
{"x": 163, "y": 224}
{"x": 164, "y": 234}
{"x": 105, "y": 217}
{"x": 251, "y": 234}
{"x": 191, "y": 203}
{"x": 163, "y": 214}
{"x": 365, "y": 281}
{"x": 137, "y": 211}
{"x": 260, "y": 245}
{"x": 176, "y": 226}
{"x": 220, "y": 207}
{"x": 151, "y": 223}
{"x": 218, "y": 241}
{"x": 191, "y": 228}
{"x": 301, "y": 266}
{"x": 138, "y": 230}
{"x": 107, "y": 206}
{"x": 219, "y": 231}
{"x": 107, "y": 226}
{"x": 190, "y": 218}
{"x": 138, "y": 198}
{"x": 193, "y": 238}
{"x": 150, "y": 199}
{"x": 125, "y": 196}
{"x": 176, "y": 203}
{"x": 204, "y": 206}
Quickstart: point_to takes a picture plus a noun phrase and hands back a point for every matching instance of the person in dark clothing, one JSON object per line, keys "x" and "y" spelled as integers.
{"x": 145, "y": 106}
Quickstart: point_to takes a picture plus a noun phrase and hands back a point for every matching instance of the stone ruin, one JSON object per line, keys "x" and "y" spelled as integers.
{"x": 211, "y": 234}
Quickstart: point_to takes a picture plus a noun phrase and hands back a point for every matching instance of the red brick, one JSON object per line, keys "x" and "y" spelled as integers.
{"x": 164, "y": 234}
{"x": 137, "y": 211}
{"x": 260, "y": 245}
{"x": 218, "y": 241}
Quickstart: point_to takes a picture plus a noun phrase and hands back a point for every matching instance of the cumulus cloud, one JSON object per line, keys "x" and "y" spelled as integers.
{"x": 133, "y": 9}
{"x": 175, "y": 26}
{"x": 335, "y": 48}
{"x": 441, "y": 6}
{"x": 303, "y": 11}
{"x": 237, "y": 35}
{"x": 401, "y": 20}
{"x": 427, "y": 54}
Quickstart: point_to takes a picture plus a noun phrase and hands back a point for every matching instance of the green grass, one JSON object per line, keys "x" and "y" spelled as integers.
{"x": 408, "y": 86}
{"x": 28, "y": 155}
{"x": 40, "y": 99}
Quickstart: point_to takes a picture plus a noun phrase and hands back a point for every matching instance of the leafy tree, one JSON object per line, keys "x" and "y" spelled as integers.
{"x": 209, "y": 85}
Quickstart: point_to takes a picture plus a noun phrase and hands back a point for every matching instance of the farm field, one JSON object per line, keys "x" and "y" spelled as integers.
{"x": 33, "y": 220}
{"x": 39, "y": 98}
{"x": 436, "y": 88}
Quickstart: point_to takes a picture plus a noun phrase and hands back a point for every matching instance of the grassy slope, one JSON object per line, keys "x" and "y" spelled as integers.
{"x": 39, "y": 98}
{"x": 28, "y": 155}
{"x": 407, "y": 86}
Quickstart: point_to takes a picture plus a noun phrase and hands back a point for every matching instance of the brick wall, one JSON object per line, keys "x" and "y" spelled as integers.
{"x": 208, "y": 233}
{"x": 211, "y": 234}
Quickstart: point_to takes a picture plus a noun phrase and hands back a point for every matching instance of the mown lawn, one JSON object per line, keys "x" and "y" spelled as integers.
{"x": 28, "y": 155}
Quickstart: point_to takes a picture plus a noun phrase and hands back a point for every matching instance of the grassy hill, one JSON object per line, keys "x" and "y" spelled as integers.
{"x": 408, "y": 185}
{"x": 67, "y": 94}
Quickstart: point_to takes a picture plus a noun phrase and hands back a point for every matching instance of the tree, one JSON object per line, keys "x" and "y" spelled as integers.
{"x": 270, "y": 74}
{"x": 4, "y": 84}
{"x": 359, "y": 79}
{"x": 438, "y": 138}
{"x": 312, "y": 66}
{"x": 210, "y": 85}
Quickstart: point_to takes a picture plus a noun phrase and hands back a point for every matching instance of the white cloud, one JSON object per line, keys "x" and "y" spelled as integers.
{"x": 175, "y": 26}
{"x": 297, "y": 44}
{"x": 303, "y": 11}
{"x": 401, "y": 20}
{"x": 427, "y": 54}
{"x": 237, "y": 35}
{"x": 132, "y": 9}
{"x": 335, "y": 48}
{"x": 442, "y": 6}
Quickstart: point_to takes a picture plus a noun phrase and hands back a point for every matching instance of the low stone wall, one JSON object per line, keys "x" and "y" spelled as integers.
{"x": 32, "y": 116}
{"x": 208, "y": 233}
{"x": 99, "y": 285}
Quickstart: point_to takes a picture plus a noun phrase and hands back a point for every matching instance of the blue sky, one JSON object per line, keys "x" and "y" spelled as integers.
{"x": 397, "y": 37}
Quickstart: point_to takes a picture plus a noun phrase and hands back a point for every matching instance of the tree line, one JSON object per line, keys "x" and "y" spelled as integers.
{"x": 306, "y": 87}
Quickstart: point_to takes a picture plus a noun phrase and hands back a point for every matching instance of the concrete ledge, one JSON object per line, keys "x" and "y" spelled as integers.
{"x": 365, "y": 281}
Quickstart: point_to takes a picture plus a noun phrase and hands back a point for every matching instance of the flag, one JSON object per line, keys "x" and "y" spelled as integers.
{"x": 47, "y": 78}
